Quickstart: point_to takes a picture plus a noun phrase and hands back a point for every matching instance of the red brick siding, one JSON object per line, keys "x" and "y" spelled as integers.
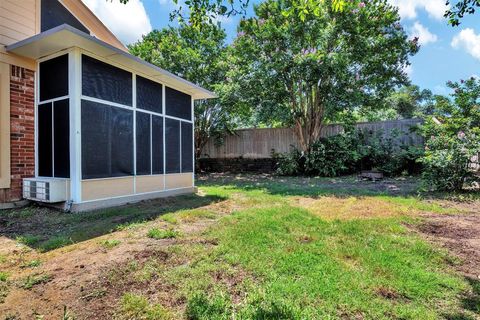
{"x": 22, "y": 131}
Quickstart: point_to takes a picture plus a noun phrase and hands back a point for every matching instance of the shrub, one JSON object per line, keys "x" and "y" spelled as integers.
{"x": 447, "y": 161}
{"x": 453, "y": 139}
{"x": 350, "y": 152}
{"x": 332, "y": 156}
{"x": 289, "y": 164}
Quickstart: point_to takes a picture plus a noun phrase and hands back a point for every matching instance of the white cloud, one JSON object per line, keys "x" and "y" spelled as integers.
{"x": 408, "y": 9}
{"x": 127, "y": 21}
{"x": 424, "y": 35}
{"x": 469, "y": 41}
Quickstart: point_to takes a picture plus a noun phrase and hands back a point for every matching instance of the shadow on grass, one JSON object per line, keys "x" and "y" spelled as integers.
{"x": 314, "y": 186}
{"x": 470, "y": 303}
{"x": 47, "y": 229}
{"x": 472, "y": 300}
{"x": 344, "y": 186}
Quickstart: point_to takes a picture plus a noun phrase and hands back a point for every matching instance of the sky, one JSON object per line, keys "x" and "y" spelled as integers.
{"x": 447, "y": 53}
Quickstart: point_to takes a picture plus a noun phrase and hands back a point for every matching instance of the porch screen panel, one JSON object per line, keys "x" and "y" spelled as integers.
{"x": 187, "y": 147}
{"x": 157, "y": 144}
{"x": 61, "y": 139}
{"x": 107, "y": 141}
{"x": 104, "y": 81}
{"x": 143, "y": 144}
{"x": 54, "y": 78}
{"x": 121, "y": 133}
{"x": 172, "y": 145}
{"x": 44, "y": 136}
{"x": 149, "y": 95}
{"x": 178, "y": 104}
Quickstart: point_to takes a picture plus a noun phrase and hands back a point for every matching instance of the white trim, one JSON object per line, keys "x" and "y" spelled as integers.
{"x": 134, "y": 104}
{"x": 54, "y": 99}
{"x": 75, "y": 90}
{"x": 181, "y": 147}
{"x": 53, "y": 137}
{"x": 54, "y": 55}
{"x": 164, "y": 140}
{"x": 151, "y": 144}
{"x": 193, "y": 142}
{"x": 35, "y": 110}
{"x": 109, "y": 103}
{"x": 123, "y": 106}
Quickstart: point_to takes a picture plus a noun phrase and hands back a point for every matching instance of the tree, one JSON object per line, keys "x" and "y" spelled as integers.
{"x": 201, "y": 12}
{"x": 452, "y": 138}
{"x": 206, "y": 11}
{"x": 318, "y": 67}
{"x": 460, "y": 9}
{"x": 199, "y": 56}
{"x": 409, "y": 101}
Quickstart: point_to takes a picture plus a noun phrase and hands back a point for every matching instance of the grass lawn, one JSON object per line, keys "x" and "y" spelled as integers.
{"x": 250, "y": 247}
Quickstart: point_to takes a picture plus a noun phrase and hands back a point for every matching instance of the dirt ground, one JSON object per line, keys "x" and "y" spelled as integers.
{"x": 76, "y": 275}
{"x": 459, "y": 234}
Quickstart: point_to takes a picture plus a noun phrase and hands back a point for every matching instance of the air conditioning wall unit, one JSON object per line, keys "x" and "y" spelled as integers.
{"x": 49, "y": 190}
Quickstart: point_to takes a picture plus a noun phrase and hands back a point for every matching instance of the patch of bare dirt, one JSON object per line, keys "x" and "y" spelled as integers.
{"x": 460, "y": 234}
{"x": 77, "y": 270}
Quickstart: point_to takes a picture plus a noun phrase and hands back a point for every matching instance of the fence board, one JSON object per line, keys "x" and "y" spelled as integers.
{"x": 260, "y": 143}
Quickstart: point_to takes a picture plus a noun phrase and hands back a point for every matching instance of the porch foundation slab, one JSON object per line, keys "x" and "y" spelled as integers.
{"x": 119, "y": 201}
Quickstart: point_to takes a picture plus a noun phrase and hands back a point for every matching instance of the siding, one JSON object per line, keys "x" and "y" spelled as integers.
{"x": 18, "y": 20}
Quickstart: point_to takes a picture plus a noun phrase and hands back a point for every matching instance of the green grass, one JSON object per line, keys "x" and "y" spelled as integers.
{"x": 134, "y": 306}
{"x": 188, "y": 216}
{"x": 55, "y": 243}
{"x": 28, "y": 240}
{"x": 3, "y": 276}
{"x": 33, "y": 280}
{"x": 156, "y": 233}
{"x": 302, "y": 260}
{"x": 109, "y": 243}
{"x": 274, "y": 259}
{"x": 269, "y": 255}
{"x": 32, "y": 264}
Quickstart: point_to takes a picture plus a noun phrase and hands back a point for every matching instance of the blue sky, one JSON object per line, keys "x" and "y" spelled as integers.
{"x": 447, "y": 53}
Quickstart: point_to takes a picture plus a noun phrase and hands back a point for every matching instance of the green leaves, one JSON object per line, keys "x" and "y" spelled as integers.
{"x": 453, "y": 139}
{"x": 305, "y": 62}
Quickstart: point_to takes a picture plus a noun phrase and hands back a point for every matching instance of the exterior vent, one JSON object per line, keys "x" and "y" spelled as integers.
{"x": 45, "y": 189}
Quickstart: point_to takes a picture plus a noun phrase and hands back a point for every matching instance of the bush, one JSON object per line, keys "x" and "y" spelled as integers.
{"x": 351, "y": 152}
{"x": 447, "y": 162}
{"x": 289, "y": 164}
{"x": 332, "y": 156}
{"x": 453, "y": 139}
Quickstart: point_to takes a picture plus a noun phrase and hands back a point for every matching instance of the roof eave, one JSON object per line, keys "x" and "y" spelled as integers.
{"x": 45, "y": 43}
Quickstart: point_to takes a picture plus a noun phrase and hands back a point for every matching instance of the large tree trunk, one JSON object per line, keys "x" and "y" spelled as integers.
{"x": 309, "y": 114}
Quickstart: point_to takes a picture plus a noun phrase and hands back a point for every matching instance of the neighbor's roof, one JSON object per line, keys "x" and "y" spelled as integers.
{"x": 64, "y": 37}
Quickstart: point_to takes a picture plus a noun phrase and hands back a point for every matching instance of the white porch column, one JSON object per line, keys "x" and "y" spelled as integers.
{"x": 75, "y": 90}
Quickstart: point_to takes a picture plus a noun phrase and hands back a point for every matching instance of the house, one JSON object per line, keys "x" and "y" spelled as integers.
{"x": 83, "y": 123}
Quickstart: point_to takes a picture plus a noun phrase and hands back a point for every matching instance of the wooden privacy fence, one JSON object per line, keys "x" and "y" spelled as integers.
{"x": 260, "y": 143}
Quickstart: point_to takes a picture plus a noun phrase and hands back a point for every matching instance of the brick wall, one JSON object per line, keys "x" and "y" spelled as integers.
{"x": 22, "y": 131}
